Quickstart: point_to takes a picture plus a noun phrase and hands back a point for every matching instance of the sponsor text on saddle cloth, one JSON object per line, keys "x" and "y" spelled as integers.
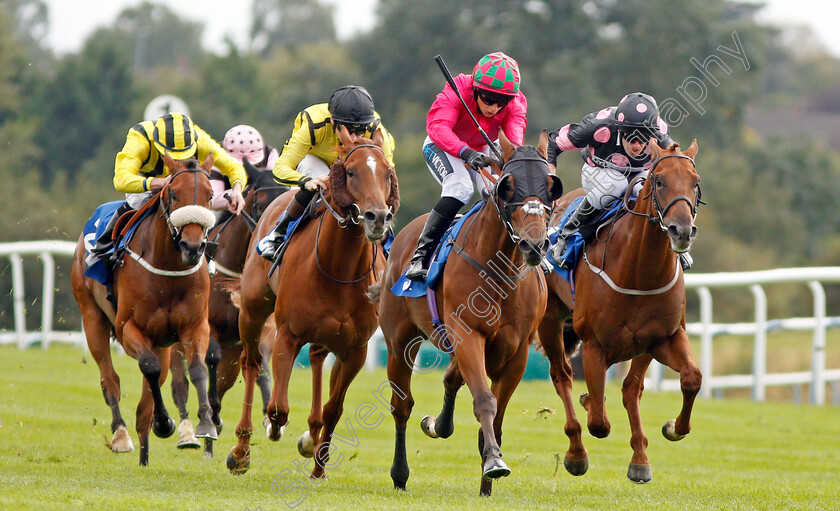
{"x": 576, "y": 243}
{"x": 94, "y": 228}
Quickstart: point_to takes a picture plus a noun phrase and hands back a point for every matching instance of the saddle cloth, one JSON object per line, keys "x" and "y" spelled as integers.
{"x": 415, "y": 289}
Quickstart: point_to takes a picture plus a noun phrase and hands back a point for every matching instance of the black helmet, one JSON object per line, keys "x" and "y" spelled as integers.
{"x": 351, "y": 104}
{"x": 637, "y": 110}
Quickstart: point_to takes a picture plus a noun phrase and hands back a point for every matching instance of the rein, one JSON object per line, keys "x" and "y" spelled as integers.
{"x": 658, "y": 211}
{"x": 324, "y": 273}
{"x": 478, "y": 266}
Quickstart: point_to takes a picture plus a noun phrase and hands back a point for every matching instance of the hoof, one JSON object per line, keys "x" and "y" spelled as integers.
{"x": 669, "y": 431}
{"x": 219, "y": 425}
{"x": 427, "y": 424}
{"x": 576, "y": 467}
{"x": 186, "y": 436}
{"x": 165, "y": 430}
{"x": 495, "y": 468}
{"x": 237, "y": 468}
{"x": 305, "y": 445}
{"x": 269, "y": 430}
{"x": 207, "y": 430}
{"x": 639, "y": 474}
{"x": 121, "y": 441}
{"x": 582, "y": 398}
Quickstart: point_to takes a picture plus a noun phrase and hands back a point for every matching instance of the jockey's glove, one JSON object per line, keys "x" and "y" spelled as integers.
{"x": 474, "y": 158}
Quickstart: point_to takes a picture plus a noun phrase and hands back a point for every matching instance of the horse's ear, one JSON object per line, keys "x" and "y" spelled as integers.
{"x": 252, "y": 172}
{"x": 542, "y": 145}
{"x": 691, "y": 152}
{"x": 507, "y": 147}
{"x": 555, "y": 187}
{"x": 208, "y": 163}
{"x": 655, "y": 150}
{"x": 506, "y": 187}
{"x": 168, "y": 161}
{"x": 378, "y": 138}
{"x": 344, "y": 137}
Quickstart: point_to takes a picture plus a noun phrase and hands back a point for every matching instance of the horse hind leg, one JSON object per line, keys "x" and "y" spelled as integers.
{"x": 97, "y": 329}
{"x": 639, "y": 470}
{"x": 443, "y": 425}
{"x": 402, "y": 351}
{"x": 310, "y": 438}
{"x": 226, "y": 373}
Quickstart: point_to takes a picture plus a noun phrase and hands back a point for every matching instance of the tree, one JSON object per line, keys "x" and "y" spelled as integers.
{"x": 286, "y": 24}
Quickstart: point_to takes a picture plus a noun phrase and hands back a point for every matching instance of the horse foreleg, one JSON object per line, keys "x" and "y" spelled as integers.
{"x": 309, "y": 439}
{"x": 212, "y": 359}
{"x": 443, "y": 425}
{"x": 264, "y": 379}
{"x": 151, "y": 411}
{"x": 180, "y": 395}
{"x": 249, "y": 330}
{"x": 195, "y": 342}
{"x": 470, "y": 354}
{"x": 676, "y": 354}
{"x": 595, "y": 370}
{"x": 286, "y": 349}
{"x": 639, "y": 470}
{"x": 503, "y": 389}
{"x": 576, "y": 459}
{"x": 343, "y": 373}
{"x": 402, "y": 351}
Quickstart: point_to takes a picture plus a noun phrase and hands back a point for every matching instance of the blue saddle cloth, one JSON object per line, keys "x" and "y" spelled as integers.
{"x": 575, "y": 244}
{"x": 415, "y": 289}
{"x": 94, "y": 228}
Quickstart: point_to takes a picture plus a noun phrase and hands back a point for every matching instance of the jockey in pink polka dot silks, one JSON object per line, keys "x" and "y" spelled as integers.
{"x": 492, "y": 93}
{"x": 614, "y": 143}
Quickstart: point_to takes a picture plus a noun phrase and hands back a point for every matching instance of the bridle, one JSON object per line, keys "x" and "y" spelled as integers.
{"x": 355, "y": 215}
{"x": 532, "y": 207}
{"x": 166, "y": 208}
{"x": 658, "y": 214}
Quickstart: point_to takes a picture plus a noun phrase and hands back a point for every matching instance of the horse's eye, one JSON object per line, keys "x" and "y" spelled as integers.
{"x": 658, "y": 181}
{"x": 172, "y": 196}
{"x": 350, "y": 173}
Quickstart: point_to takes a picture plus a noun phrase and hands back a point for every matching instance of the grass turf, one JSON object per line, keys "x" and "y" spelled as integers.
{"x": 739, "y": 455}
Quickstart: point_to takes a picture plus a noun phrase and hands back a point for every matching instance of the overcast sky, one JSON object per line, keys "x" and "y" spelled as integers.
{"x": 71, "y": 21}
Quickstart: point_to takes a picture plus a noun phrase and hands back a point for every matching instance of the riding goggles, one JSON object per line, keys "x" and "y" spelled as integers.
{"x": 356, "y": 129}
{"x": 491, "y": 98}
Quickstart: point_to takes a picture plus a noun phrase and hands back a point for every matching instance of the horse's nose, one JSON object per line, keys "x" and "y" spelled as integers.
{"x": 533, "y": 251}
{"x": 191, "y": 252}
{"x": 682, "y": 232}
{"x": 377, "y": 222}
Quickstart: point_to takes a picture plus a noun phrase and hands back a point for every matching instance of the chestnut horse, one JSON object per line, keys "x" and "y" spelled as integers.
{"x": 318, "y": 293}
{"x": 489, "y": 303}
{"x": 162, "y": 296}
{"x": 232, "y": 234}
{"x": 629, "y": 303}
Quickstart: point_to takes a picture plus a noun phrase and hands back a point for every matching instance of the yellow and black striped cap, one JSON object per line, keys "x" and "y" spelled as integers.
{"x": 175, "y": 133}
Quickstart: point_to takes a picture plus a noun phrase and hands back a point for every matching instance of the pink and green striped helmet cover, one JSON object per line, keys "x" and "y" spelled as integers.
{"x": 497, "y": 72}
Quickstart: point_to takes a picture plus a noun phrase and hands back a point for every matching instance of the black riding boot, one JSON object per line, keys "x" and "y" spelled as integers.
{"x": 583, "y": 215}
{"x": 270, "y": 245}
{"x": 106, "y": 241}
{"x": 436, "y": 225}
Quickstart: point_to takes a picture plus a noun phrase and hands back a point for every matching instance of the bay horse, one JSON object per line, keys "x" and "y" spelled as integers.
{"x": 318, "y": 293}
{"x": 629, "y": 302}
{"x": 162, "y": 298}
{"x": 231, "y": 235}
{"x": 490, "y": 303}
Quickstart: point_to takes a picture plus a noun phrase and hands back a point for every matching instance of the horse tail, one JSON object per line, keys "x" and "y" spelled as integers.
{"x": 373, "y": 293}
{"x": 231, "y": 286}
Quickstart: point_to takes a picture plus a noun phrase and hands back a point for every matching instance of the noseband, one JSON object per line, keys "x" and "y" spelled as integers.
{"x": 166, "y": 208}
{"x": 658, "y": 215}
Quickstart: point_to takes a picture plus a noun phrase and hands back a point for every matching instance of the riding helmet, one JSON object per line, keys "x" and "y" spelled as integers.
{"x": 637, "y": 110}
{"x": 244, "y": 141}
{"x": 351, "y": 104}
{"x": 175, "y": 134}
{"x": 496, "y": 72}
